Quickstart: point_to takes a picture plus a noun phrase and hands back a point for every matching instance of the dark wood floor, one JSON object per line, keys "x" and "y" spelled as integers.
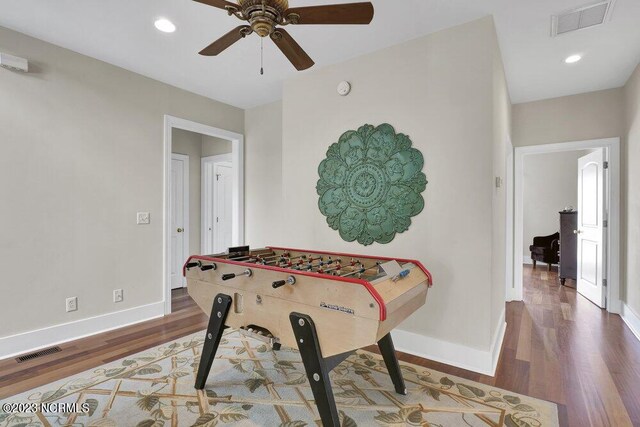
{"x": 558, "y": 346}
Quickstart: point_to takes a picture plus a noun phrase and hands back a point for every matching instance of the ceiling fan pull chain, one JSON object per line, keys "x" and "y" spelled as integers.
{"x": 261, "y": 56}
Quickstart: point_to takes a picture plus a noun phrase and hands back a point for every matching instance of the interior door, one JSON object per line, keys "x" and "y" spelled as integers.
{"x": 591, "y": 217}
{"x": 223, "y": 188}
{"x": 178, "y": 214}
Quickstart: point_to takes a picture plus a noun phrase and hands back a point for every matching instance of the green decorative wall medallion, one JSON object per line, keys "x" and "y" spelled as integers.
{"x": 370, "y": 184}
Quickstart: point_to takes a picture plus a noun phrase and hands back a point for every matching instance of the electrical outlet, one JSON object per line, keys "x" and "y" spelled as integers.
{"x": 143, "y": 218}
{"x": 72, "y": 304}
{"x": 117, "y": 295}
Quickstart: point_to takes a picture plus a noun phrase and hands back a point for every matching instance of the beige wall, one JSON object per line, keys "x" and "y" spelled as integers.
{"x": 502, "y": 148}
{"x": 264, "y": 210}
{"x": 190, "y": 143}
{"x": 439, "y": 97}
{"x": 569, "y": 118}
{"x": 631, "y": 152}
{"x": 212, "y": 146}
{"x": 81, "y": 147}
{"x": 550, "y": 184}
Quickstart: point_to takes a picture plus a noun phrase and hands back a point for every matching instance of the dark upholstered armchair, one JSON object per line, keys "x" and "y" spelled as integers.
{"x": 545, "y": 249}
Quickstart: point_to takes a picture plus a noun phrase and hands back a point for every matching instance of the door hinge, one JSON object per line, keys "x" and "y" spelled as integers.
{"x": 605, "y": 165}
{"x": 217, "y": 177}
{"x": 605, "y": 223}
{"x": 604, "y": 282}
{"x": 217, "y": 219}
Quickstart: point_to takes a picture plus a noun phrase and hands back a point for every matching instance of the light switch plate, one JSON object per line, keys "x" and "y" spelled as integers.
{"x": 144, "y": 218}
{"x": 117, "y": 295}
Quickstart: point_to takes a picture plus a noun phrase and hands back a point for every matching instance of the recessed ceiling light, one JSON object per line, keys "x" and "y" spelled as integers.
{"x": 573, "y": 59}
{"x": 165, "y": 25}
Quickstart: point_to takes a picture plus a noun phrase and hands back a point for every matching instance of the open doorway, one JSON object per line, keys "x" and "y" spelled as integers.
{"x": 203, "y": 201}
{"x": 569, "y": 193}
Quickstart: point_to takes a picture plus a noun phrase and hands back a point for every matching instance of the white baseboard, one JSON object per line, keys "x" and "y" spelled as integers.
{"x": 513, "y": 295}
{"x": 27, "y": 342}
{"x": 631, "y": 319}
{"x": 458, "y": 355}
{"x": 497, "y": 341}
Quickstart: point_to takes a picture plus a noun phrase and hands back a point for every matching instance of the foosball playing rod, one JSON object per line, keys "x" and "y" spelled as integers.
{"x": 290, "y": 261}
{"x": 320, "y": 264}
{"x": 309, "y": 258}
{"x": 361, "y": 270}
{"x": 323, "y": 264}
{"x": 260, "y": 257}
{"x": 340, "y": 267}
{"x": 241, "y": 258}
{"x": 271, "y": 256}
{"x": 247, "y": 260}
{"x": 301, "y": 265}
{"x": 328, "y": 270}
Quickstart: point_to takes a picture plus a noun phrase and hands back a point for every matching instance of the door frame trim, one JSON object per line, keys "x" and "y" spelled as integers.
{"x": 237, "y": 154}
{"x": 219, "y": 158}
{"x": 612, "y": 205}
{"x": 185, "y": 202}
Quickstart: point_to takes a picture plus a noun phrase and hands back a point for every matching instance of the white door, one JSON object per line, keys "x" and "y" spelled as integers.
{"x": 179, "y": 217}
{"x": 591, "y": 217}
{"x": 217, "y": 189}
{"x": 223, "y": 188}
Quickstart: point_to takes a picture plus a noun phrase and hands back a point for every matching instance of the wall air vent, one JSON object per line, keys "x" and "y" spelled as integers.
{"x": 583, "y": 17}
{"x": 13, "y": 63}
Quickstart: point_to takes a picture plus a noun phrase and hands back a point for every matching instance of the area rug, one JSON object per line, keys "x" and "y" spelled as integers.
{"x": 251, "y": 385}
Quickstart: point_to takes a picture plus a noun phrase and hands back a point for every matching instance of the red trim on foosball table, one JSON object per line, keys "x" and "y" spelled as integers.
{"x": 374, "y": 293}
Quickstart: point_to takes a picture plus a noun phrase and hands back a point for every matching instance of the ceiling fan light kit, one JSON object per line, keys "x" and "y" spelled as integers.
{"x": 266, "y": 17}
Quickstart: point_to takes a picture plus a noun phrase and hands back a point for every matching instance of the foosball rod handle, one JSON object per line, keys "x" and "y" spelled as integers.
{"x": 208, "y": 267}
{"x": 278, "y": 284}
{"x": 229, "y": 276}
{"x": 291, "y": 280}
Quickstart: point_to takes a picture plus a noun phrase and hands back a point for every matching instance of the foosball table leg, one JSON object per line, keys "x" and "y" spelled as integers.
{"x": 219, "y": 311}
{"x": 316, "y": 368}
{"x": 388, "y": 352}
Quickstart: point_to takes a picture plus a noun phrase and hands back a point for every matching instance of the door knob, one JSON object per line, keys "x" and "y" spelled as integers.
{"x": 577, "y": 231}
{"x": 180, "y": 230}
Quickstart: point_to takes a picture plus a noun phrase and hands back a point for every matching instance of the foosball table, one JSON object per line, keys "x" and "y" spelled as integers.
{"x": 325, "y": 304}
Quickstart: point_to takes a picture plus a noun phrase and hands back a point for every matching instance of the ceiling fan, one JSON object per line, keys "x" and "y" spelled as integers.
{"x": 265, "y": 17}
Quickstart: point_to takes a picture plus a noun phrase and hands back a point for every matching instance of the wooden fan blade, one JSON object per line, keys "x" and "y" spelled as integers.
{"x": 349, "y": 13}
{"x": 292, "y": 50}
{"x": 220, "y": 4}
{"x": 225, "y": 41}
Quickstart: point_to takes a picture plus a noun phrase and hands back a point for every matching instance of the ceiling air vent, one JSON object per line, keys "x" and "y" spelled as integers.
{"x": 583, "y": 17}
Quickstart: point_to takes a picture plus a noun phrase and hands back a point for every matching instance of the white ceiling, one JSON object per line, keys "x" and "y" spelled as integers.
{"x": 121, "y": 32}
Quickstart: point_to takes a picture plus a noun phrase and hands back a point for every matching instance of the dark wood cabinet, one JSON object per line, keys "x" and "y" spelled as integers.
{"x": 568, "y": 246}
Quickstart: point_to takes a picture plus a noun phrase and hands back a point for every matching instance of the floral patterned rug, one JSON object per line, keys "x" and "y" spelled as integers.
{"x": 250, "y": 385}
